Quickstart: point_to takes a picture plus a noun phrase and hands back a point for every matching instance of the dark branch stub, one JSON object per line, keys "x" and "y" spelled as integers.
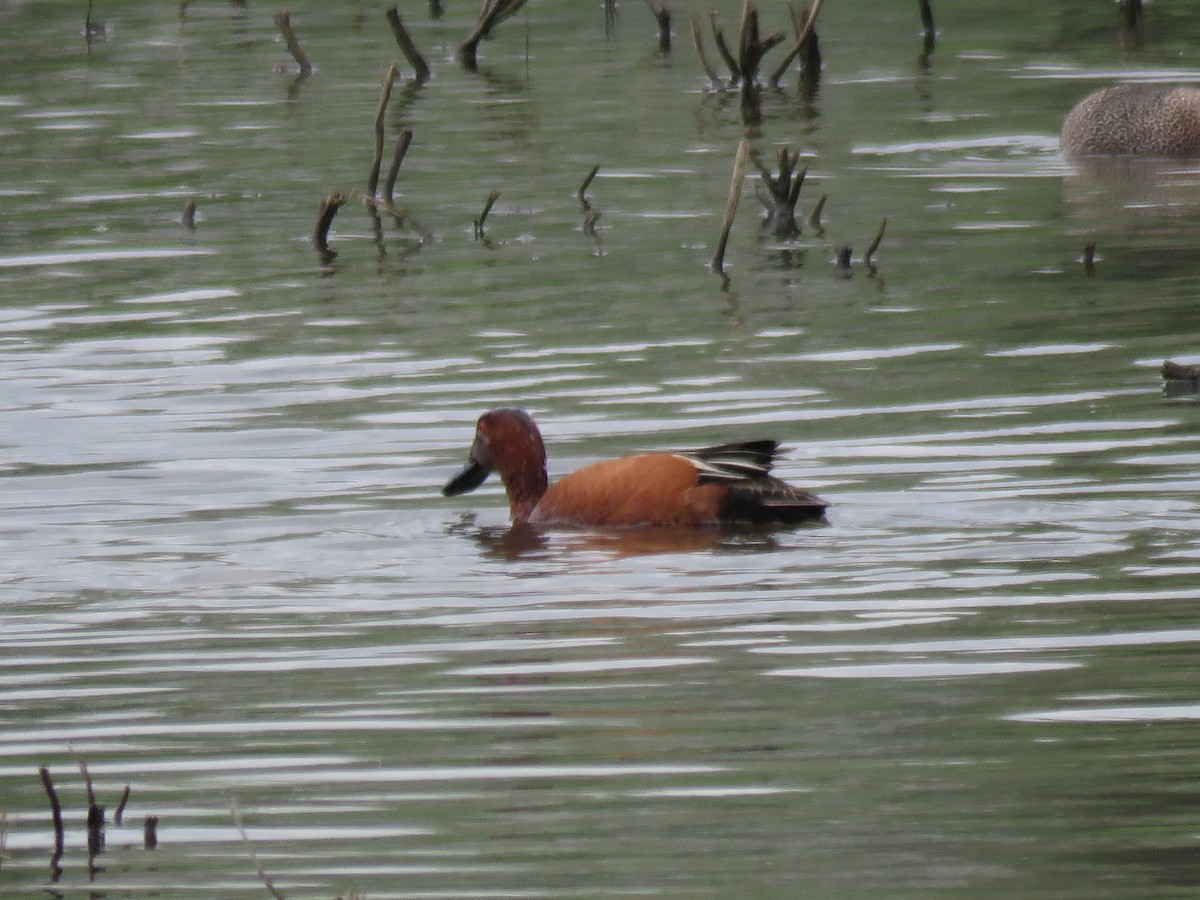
{"x": 735, "y": 195}
{"x": 806, "y": 46}
{"x": 407, "y": 46}
{"x": 283, "y": 21}
{"x": 481, "y": 223}
{"x": 330, "y": 204}
{"x": 662, "y": 15}
{"x": 493, "y": 13}
{"x": 587, "y": 182}
{"x": 878, "y": 239}
{"x": 402, "y": 145}
{"x": 784, "y": 192}
{"x": 389, "y": 79}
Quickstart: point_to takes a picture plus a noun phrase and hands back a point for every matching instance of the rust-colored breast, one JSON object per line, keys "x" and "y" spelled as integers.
{"x": 649, "y": 489}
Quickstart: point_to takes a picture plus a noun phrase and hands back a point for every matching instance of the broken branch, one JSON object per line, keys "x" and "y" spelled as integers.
{"x": 875, "y": 243}
{"x": 55, "y": 811}
{"x": 698, "y": 40}
{"x": 662, "y": 14}
{"x": 487, "y": 208}
{"x": 735, "y": 194}
{"x": 388, "y": 80}
{"x": 407, "y": 47}
{"x": 389, "y": 185}
{"x": 493, "y": 13}
{"x": 801, "y": 39}
{"x": 330, "y": 204}
{"x": 587, "y": 181}
{"x": 283, "y": 21}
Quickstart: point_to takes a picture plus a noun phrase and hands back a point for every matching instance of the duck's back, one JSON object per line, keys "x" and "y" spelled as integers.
{"x": 647, "y": 489}
{"x": 1135, "y": 119}
{"x": 725, "y": 484}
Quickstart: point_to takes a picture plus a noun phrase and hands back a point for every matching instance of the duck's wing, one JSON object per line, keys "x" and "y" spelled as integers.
{"x": 752, "y": 494}
{"x": 739, "y": 461}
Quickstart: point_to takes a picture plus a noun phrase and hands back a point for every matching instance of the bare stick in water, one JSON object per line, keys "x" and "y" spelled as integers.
{"x": 815, "y": 217}
{"x": 927, "y": 18}
{"x": 493, "y": 13}
{"x": 87, "y": 782}
{"x": 751, "y": 46}
{"x": 389, "y": 185}
{"x": 735, "y": 194}
{"x": 189, "y": 214}
{"x": 487, "y": 208}
{"x": 330, "y": 204}
{"x": 121, "y": 807}
{"x": 875, "y": 243}
{"x": 1131, "y": 24}
{"x": 698, "y": 40}
{"x": 388, "y": 80}
{"x": 407, "y": 47}
{"x": 55, "y": 812}
{"x": 784, "y": 193}
{"x": 801, "y": 39}
{"x": 587, "y": 182}
{"x": 95, "y": 814}
{"x": 662, "y": 13}
{"x": 722, "y": 47}
{"x": 237, "y": 820}
{"x": 283, "y": 21}
{"x": 150, "y": 832}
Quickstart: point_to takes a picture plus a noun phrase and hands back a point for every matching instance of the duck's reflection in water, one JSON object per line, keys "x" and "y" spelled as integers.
{"x": 526, "y": 542}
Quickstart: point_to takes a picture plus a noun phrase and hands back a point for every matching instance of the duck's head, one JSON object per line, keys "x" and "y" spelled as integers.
{"x": 506, "y": 441}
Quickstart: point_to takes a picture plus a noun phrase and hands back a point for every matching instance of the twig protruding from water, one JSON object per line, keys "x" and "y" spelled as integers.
{"x": 1089, "y": 260}
{"x": 735, "y": 194}
{"x": 784, "y": 192}
{"x": 493, "y": 13}
{"x": 402, "y": 145}
{"x": 698, "y": 40}
{"x": 805, "y": 43}
{"x": 330, "y": 204}
{"x": 150, "y": 832}
{"x": 814, "y": 218}
{"x": 389, "y": 79}
{"x": 1131, "y": 24}
{"x": 258, "y": 867}
{"x": 930, "y": 30}
{"x": 121, "y": 807}
{"x": 875, "y": 241}
{"x": 188, "y": 217}
{"x": 407, "y": 47}
{"x": 55, "y": 814}
{"x": 662, "y": 14}
{"x": 586, "y": 183}
{"x": 95, "y": 814}
{"x": 752, "y": 47}
{"x": 487, "y": 208}
{"x": 283, "y": 21}
{"x": 722, "y": 46}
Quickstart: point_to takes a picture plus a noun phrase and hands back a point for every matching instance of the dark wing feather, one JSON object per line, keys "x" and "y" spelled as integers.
{"x": 771, "y": 500}
{"x": 753, "y": 494}
{"x": 739, "y": 461}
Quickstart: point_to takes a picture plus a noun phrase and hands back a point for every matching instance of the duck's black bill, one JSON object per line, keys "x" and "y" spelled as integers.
{"x": 471, "y": 477}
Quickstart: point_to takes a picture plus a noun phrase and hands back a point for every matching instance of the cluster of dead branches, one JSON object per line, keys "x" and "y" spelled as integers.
{"x": 753, "y": 46}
